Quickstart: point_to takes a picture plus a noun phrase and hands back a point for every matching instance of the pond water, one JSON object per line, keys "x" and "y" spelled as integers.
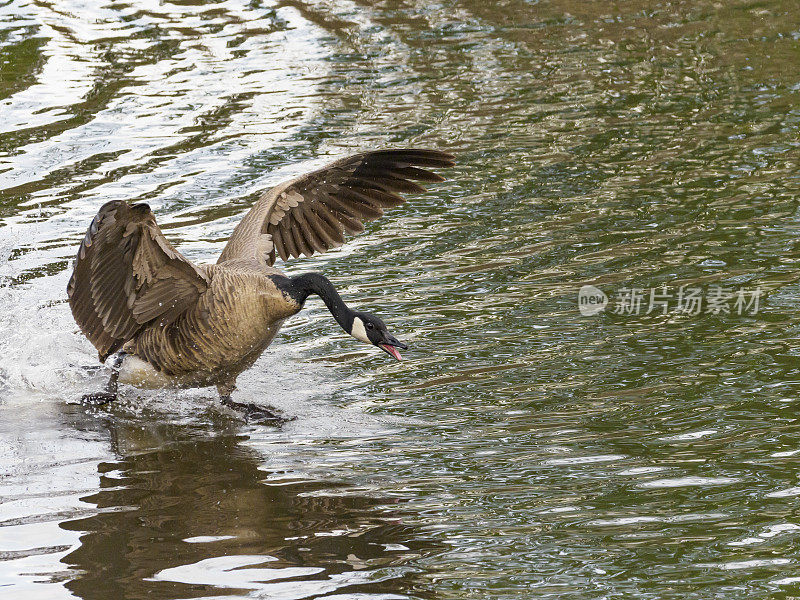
{"x": 522, "y": 449}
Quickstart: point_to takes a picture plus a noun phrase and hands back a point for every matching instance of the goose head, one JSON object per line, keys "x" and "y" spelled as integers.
{"x": 369, "y": 329}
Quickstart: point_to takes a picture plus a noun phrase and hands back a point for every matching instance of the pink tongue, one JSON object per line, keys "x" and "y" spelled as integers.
{"x": 392, "y": 350}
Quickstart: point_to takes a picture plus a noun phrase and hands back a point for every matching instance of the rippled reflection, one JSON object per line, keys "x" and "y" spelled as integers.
{"x": 189, "y": 511}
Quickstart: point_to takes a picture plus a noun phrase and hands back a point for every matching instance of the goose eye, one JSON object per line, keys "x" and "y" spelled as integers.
{"x": 370, "y": 326}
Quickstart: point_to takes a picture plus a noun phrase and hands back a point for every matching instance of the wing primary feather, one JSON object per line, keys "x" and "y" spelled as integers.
{"x": 384, "y": 199}
{"x": 423, "y": 158}
{"x": 367, "y": 211}
{"x": 309, "y": 231}
{"x": 335, "y": 228}
{"x": 350, "y": 225}
{"x": 415, "y": 173}
{"x": 360, "y": 195}
{"x": 377, "y": 178}
{"x": 312, "y": 213}
{"x": 300, "y": 241}
{"x": 277, "y": 238}
{"x": 288, "y": 239}
{"x": 351, "y": 208}
{"x": 321, "y": 228}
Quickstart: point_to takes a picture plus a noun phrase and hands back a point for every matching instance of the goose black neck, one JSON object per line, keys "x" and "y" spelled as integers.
{"x": 314, "y": 283}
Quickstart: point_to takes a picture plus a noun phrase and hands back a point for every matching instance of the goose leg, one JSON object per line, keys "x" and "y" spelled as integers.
{"x": 252, "y": 412}
{"x": 110, "y": 393}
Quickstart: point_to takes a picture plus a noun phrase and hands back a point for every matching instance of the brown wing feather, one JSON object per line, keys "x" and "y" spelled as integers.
{"x": 310, "y": 214}
{"x": 126, "y": 275}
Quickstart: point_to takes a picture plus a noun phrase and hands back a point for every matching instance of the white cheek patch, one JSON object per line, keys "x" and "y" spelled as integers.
{"x": 358, "y": 331}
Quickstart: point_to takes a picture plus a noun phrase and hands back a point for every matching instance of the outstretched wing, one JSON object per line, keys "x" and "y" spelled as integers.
{"x": 126, "y": 275}
{"x": 312, "y": 213}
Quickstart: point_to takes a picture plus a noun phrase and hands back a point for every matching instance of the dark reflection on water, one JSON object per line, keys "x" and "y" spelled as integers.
{"x": 187, "y": 511}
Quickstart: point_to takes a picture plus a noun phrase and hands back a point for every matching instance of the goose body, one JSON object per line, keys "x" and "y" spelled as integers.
{"x": 212, "y": 342}
{"x": 175, "y": 323}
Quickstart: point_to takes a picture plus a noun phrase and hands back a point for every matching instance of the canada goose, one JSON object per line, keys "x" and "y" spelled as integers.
{"x": 174, "y": 323}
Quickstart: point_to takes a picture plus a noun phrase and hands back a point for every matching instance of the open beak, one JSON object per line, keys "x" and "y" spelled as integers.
{"x": 391, "y": 345}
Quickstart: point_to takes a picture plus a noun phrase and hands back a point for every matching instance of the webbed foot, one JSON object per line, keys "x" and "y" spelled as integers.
{"x": 110, "y": 394}
{"x": 257, "y": 414}
{"x": 98, "y": 398}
